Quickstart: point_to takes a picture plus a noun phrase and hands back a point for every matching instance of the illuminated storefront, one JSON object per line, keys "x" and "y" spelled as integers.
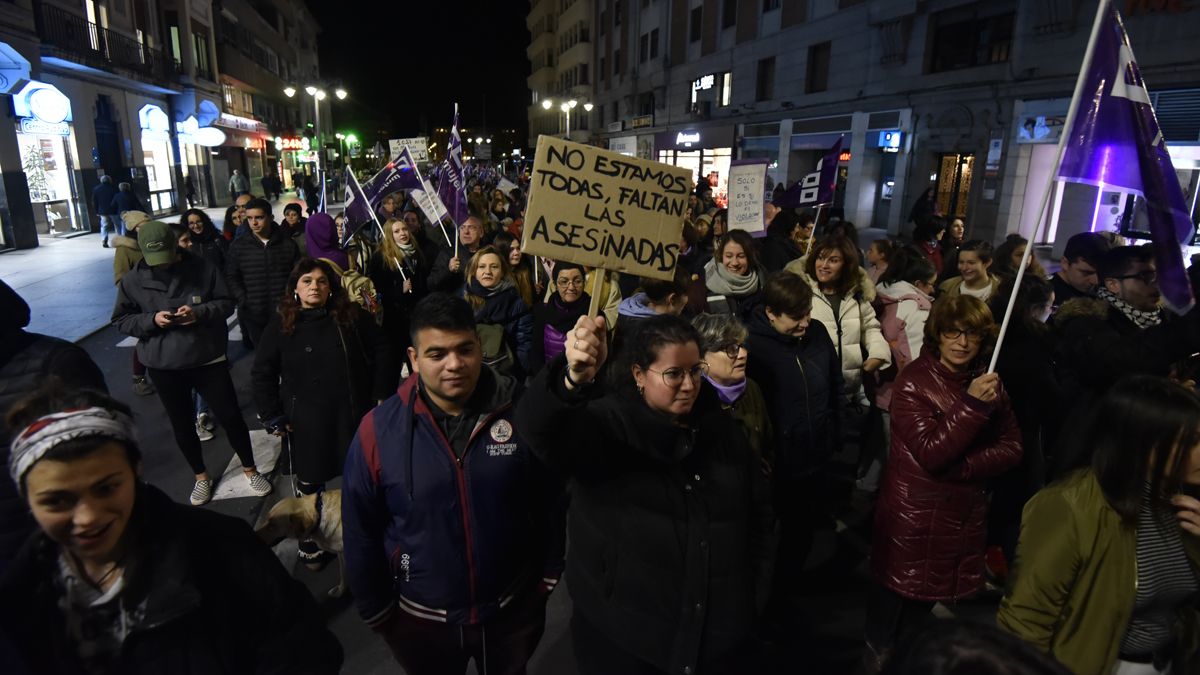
{"x": 707, "y": 151}
{"x": 156, "y": 152}
{"x": 45, "y": 139}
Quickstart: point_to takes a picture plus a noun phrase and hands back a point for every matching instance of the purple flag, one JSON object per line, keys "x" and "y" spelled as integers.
{"x": 817, "y": 188}
{"x": 452, "y": 185}
{"x": 1114, "y": 140}
{"x": 357, "y": 210}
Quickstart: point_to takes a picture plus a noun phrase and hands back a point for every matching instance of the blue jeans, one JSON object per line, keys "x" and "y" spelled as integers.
{"x": 111, "y": 223}
{"x": 200, "y": 404}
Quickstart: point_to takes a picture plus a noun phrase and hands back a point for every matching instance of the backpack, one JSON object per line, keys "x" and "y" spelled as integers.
{"x": 359, "y": 287}
{"x": 496, "y": 352}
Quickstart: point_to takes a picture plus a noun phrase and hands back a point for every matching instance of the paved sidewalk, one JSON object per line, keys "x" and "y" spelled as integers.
{"x": 68, "y": 283}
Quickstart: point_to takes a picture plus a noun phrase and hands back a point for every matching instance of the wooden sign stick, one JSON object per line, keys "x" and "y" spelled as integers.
{"x": 599, "y": 274}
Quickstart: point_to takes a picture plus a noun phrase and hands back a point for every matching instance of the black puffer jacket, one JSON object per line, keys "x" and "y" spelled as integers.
{"x": 216, "y": 602}
{"x": 802, "y": 382}
{"x": 192, "y": 282}
{"x": 27, "y": 361}
{"x": 257, "y": 273}
{"x": 670, "y": 527}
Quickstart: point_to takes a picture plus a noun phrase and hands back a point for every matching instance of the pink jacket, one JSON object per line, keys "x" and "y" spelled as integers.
{"x": 902, "y": 310}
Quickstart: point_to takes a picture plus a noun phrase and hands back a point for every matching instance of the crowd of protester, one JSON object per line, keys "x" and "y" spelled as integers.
{"x": 680, "y": 439}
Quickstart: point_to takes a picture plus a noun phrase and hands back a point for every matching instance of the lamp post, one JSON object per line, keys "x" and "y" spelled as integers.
{"x": 566, "y": 107}
{"x": 318, "y": 95}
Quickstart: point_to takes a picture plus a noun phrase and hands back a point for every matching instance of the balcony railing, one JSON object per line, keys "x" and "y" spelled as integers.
{"x": 85, "y": 42}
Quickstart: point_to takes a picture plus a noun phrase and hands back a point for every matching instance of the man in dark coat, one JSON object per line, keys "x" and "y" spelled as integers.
{"x": 257, "y": 269}
{"x": 27, "y": 361}
{"x": 447, "y": 271}
{"x": 1077, "y": 277}
{"x": 126, "y": 200}
{"x": 1120, "y": 332}
{"x": 102, "y": 203}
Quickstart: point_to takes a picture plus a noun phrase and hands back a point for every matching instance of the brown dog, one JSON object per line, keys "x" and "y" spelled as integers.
{"x": 297, "y": 518}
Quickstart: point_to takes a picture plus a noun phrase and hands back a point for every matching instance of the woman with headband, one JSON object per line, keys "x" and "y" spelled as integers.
{"x": 120, "y": 579}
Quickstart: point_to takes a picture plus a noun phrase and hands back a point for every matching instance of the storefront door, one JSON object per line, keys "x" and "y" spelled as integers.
{"x": 49, "y": 171}
{"x": 954, "y": 183}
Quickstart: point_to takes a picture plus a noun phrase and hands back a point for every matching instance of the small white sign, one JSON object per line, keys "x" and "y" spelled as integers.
{"x": 418, "y": 146}
{"x": 747, "y": 190}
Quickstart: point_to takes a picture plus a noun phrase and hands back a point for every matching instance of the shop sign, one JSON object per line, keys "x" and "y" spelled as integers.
{"x": 626, "y": 145}
{"x": 687, "y": 138}
{"x": 154, "y": 123}
{"x": 704, "y": 83}
{"x": 290, "y": 143}
{"x": 641, "y": 121}
{"x": 241, "y": 123}
{"x": 844, "y": 156}
{"x": 32, "y": 125}
{"x": 43, "y": 101}
{"x": 190, "y": 132}
{"x": 614, "y": 127}
{"x": 600, "y": 208}
{"x": 1040, "y": 129}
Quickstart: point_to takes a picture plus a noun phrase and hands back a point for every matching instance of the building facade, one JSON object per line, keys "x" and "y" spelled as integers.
{"x": 964, "y": 97}
{"x": 561, "y": 54}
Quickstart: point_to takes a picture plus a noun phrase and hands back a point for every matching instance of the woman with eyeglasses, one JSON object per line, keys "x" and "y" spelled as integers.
{"x": 953, "y": 430}
{"x": 723, "y": 343}
{"x": 554, "y": 319}
{"x": 670, "y": 529}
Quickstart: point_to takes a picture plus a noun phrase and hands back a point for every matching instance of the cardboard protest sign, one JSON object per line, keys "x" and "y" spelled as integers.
{"x": 747, "y": 192}
{"x": 418, "y": 146}
{"x": 602, "y": 209}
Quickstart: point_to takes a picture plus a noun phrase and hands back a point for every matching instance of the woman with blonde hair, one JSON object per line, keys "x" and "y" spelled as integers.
{"x": 503, "y": 320}
{"x": 398, "y": 268}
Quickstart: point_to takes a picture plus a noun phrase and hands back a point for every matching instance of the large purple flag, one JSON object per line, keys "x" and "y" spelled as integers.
{"x": 357, "y": 210}
{"x": 1114, "y": 140}
{"x": 817, "y": 188}
{"x": 452, "y": 184}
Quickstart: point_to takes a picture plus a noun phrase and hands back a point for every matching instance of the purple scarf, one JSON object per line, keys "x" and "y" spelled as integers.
{"x": 729, "y": 395}
{"x": 321, "y": 234}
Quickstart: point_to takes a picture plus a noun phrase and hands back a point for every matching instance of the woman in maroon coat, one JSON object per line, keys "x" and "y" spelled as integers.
{"x": 953, "y": 430}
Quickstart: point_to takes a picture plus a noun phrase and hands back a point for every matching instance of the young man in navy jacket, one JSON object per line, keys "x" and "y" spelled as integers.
{"x": 453, "y": 530}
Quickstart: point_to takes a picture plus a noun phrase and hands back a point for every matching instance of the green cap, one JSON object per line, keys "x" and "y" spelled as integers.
{"x": 157, "y": 242}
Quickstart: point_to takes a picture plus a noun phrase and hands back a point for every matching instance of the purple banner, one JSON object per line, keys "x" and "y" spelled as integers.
{"x": 1114, "y": 140}
{"x": 817, "y": 188}
{"x": 357, "y": 210}
{"x": 452, "y": 184}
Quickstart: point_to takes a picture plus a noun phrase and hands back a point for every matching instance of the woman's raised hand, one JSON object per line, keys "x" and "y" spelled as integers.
{"x": 587, "y": 348}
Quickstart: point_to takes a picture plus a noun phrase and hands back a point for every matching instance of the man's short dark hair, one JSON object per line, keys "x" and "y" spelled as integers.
{"x": 441, "y": 311}
{"x": 787, "y": 293}
{"x": 260, "y": 204}
{"x": 1119, "y": 261}
{"x": 658, "y": 290}
{"x": 1089, "y": 247}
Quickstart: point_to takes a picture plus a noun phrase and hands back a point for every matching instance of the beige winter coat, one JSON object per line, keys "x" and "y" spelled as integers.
{"x": 855, "y": 332}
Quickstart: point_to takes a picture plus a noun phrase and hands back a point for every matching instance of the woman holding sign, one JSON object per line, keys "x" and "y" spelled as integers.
{"x": 505, "y": 324}
{"x": 734, "y": 276}
{"x": 670, "y": 528}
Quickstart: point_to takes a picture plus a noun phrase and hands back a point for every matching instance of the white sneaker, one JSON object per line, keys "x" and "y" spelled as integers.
{"x": 204, "y": 434}
{"x": 202, "y": 492}
{"x": 259, "y": 485}
{"x": 205, "y": 420}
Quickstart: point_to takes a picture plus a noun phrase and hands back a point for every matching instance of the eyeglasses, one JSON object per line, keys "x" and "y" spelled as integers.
{"x": 956, "y": 333}
{"x": 567, "y": 283}
{"x": 732, "y": 350}
{"x": 1146, "y": 277}
{"x": 673, "y": 377}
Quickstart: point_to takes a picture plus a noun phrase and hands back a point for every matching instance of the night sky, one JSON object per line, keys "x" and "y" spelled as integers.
{"x": 406, "y": 63}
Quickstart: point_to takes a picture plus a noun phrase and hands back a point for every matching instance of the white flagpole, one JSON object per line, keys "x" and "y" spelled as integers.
{"x": 374, "y": 215}
{"x": 1041, "y": 213}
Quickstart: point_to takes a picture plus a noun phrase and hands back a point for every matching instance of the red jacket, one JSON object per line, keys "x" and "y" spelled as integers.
{"x": 930, "y": 522}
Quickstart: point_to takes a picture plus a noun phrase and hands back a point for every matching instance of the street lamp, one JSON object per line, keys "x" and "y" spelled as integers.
{"x": 566, "y": 107}
{"x": 318, "y": 95}
{"x": 340, "y": 93}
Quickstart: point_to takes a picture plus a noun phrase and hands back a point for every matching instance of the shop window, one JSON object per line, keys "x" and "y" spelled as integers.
{"x": 729, "y": 13}
{"x": 818, "y": 68}
{"x": 47, "y": 162}
{"x": 696, "y": 25}
{"x": 764, "y": 85}
{"x": 966, "y": 41}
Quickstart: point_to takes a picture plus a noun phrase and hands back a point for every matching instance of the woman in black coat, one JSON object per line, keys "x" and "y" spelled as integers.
{"x": 207, "y": 242}
{"x": 670, "y": 527}
{"x": 321, "y": 365}
{"x": 554, "y": 319}
{"x": 493, "y": 295}
{"x": 120, "y": 579}
{"x": 399, "y": 268}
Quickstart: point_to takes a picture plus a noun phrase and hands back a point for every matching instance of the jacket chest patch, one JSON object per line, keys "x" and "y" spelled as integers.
{"x": 501, "y": 433}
